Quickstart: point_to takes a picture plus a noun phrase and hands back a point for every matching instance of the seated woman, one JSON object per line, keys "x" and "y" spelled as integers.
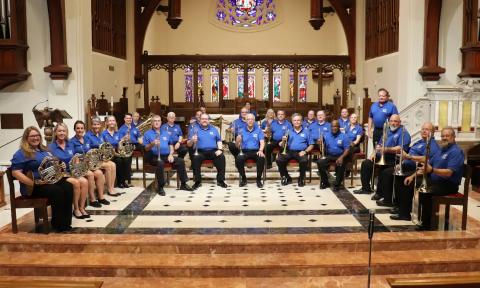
{"x": 354, "y": 132}
{"x": 27, "y": 160}
{"x": 111, "y": 136}
{"x": 63, "y": 150}
{"x": 95, "y": 139}
{"x": 82, "y": 145}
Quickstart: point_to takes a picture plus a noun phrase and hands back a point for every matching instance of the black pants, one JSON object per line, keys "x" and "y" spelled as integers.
{"x": 250, "y": 154}
{"x": 404, "y": 194}
{"x": 377, "y": 134}
{"x": 282, "y": 161}
{"x": 182, "y": 151}
{"x": 323, "y": 165}
{"x": 366, "y": 171}
{"x": 60, "y": 196}
{"x": 123, "y": 168}
{"x": 233, "y": 149}
{"x": 218, "y": 162}
{"x": 178, "y": 165}
{"x": 436, "y": 189}
{"x": 268, "y": 151}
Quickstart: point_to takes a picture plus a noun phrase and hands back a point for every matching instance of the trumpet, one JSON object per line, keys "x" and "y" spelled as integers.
{"x": 286, "y": 143}
{"x": 195, "y": 133}
{"x": 240, "y": 144}
{"x": 158, "y": 154}
{"x": 422, "y": 188}
{"x": 268, "y": 131}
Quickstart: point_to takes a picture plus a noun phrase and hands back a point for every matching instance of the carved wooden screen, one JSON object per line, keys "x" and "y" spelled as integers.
{"x": 109, "y": 27}
{"x": 381, "y": 27}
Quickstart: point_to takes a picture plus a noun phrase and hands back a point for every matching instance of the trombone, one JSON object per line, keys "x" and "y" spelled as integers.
{"x": 397, "y": 168}
{"x": 422, "y": 188}
{"x": 321, "y": 144}
{"x": 286, "y": 143}
{"x": 382, "y": 157}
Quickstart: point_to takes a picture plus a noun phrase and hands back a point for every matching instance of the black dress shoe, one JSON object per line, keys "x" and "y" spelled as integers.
{"x": 362, "y": 191}
{"x": 86, "y": 216}
{"x": 160, "y": 191}
{"x": 422, "y": 228}
{"x": 301, "y": 182}
{"x": 104, "y": 201}
{"x": 259, "y": 184}
{"x": 113, "y": 194}
{"x": 376, "y": 196}
{"x": 384, "y": 203}
{"x": 243, "y": 182}
{"x": 395, "y": 210}
{"x": 196, "y": 185}
{"x": 185, "y": 187}
{"x": 222, "y": 184}
{"x": 78, "y": 217}
{"x": 400, "y": 217}
{"x": 95, "y": 204}
{"x": 324, "y": 185}
{"x": 286, "y": 180}
{"x": 125, "y": 185}
{"x": 336, "y": 188}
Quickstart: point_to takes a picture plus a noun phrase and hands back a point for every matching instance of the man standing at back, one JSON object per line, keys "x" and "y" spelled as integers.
{"x": 379, "y": 113}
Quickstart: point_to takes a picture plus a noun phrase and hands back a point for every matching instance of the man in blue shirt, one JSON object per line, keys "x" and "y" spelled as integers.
{"x": 251, "y": 143}
{"x": 159, "y": 150}
{"x": 336, "y": 146}
{"x": 298, "y": 144}
{"x": 445, "y": 170}
{"x": 176, "y": 134}
{"x": 319, "y": 127}
{"x": 416, "y": 153}
{"x": 343, "y": 120}
{"x": 279, "y": 128}
{"x": 128, "y": 130}
{"x": 235, "y": 128}
{"x": 379, "y": 113}
{"x": 208, "y": 145}
{"x": 393, "y": 145}
{"x": 248, "y": 106}
{"x": 309, "y": 120}
{"x": 193, "y": 125}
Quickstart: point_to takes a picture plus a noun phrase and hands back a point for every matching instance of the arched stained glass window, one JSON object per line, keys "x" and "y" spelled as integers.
{"x": 246, "y": 14}
{"x": 189, "y": 82}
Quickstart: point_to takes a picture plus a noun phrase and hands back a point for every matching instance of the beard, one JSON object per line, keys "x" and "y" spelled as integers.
{"x": 444, "y": 144}
{"x": 393, "y": 129}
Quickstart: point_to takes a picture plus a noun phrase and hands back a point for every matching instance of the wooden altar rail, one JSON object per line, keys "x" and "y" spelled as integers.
{"x": 170, "y": 63}
{"x": 472, "y": 281}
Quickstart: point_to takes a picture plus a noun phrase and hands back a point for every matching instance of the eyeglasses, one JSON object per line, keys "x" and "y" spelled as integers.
{"x": 34, "y": 136}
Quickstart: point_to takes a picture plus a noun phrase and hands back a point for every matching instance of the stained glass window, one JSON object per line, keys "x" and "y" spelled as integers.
{"x": 250, "y": 81}
{"x": 189, "y": 82}
{"x": 246, "y": 13}
{"x": 302, "y": 85}
{"x": 215, "y": 85}
{"x": 277, "y": 79}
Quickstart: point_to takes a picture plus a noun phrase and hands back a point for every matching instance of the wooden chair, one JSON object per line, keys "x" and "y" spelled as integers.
{"x": 358, "y": 156}
{"x": 39, "y": 206}
{"x": 250, "y": 163}
{"x": 314, "y": 155}
{"x": 168, "y": 172}
{"x": 453, "y": 199}
{"x": 137, "y": 154}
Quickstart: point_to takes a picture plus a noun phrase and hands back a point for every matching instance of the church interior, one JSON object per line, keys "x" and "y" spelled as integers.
{"x": 360, "y": 120}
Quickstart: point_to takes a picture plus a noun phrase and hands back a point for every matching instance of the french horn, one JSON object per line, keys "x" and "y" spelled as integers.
{"x": 107, "y": 151}
{"x": 51, "y": 170}
{"x": 78, "y": 166}
{"x": 94, "y": 159}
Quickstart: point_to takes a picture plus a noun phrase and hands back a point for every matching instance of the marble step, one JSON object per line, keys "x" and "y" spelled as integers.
{"x": 238, "y": 265}
{"x": 235, "y": 244}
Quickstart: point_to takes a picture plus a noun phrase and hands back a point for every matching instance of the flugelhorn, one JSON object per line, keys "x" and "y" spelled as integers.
{"x": 268, "y": 131}
{"x": 286, "y": 143}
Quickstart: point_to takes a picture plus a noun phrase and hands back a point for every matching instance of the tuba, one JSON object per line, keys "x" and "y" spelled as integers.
{"x": 94, "y": 159}
{"x": 51, "y": 170}
{"x": 78, "y": 166}
{"x": 106, "y": 151}
{"x": 125, "y": 146}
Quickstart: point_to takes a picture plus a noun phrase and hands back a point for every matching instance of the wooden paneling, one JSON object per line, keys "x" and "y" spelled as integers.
{"x": 11, "y": 121}
{"x": 381, "y": 27}
{"x": 109, "y": 27}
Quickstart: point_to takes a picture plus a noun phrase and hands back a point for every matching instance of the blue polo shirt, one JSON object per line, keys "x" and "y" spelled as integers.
{"x": 336, "y": 144}
{"x": 21, "y": 162}
{"x": 239, "y": 125}
{"x": 78, "y": 147}
{"x": 207, "y": 138}
{"x": 134, "y": 133}
{"x": 94, "y": 140}
{"x": 264, "y": 124}
{"x": 251, "y": 139}
{"x": 174, "y": 131}
{"x": 193, "y": 125}
{"x": 353, "y": 132}
{"x": 306, "y": 123}
{"x": 394, "y": 138}
{"x": 343, "y": 123}
{"x": 381, "y": 113}
{"x": 63, "y": 155}
{"x": 165, "y": 141}
{"x": 451, "y": 158}
{"x": 112, "y": 139}
{"x": 418, "y": 149}
{"x": 299, "y": 140}
{"x": 316, "y": 129}
{"x": 279, "y": 129}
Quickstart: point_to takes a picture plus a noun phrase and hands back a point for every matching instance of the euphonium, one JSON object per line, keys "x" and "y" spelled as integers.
{"x": 286, "y": 143}
{"x": 78, "y": 166}
{"x": 145, "y": 125}
{"x": 107, "y": 151}
{"x": 94, "y": 159}
{"x": 384, "y": 139}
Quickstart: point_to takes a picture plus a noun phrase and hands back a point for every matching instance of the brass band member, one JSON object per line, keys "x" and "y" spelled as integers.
{"x": 235, "y": 127}
{"x": 392, "y": 146}
{"x": 446, "y": 171}
{"x": 415, "y": 154}
{"x": 298, "y": 144}
{"x": 94, "y": 136}
{"x": 309, "y": 119}
{"x": 319, "y": 127}
{"x": 343, "y": 120}
{"x": 251, "y": 141}
{"x": 110, "y": 135}
{"x": 194, "y": 124}
{"x": 279, "y": 128}
{"x": 60, "y": 195}
{"x": 379, "y": 113}
{"x": 159, "y": 150}
{"x": 128, "y": 130}
{"x": 63, "y": 150}
{"x": 136, "y": 119}
{"x": 354, "y": 133}
{"x": 336, "y": 145}
{"x": 208, "y": 146}
{"x": 176, "y": 134}
{"x": 82, "y": 145}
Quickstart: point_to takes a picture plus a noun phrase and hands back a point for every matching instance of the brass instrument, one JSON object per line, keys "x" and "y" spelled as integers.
{"x": 94, "y": 159}
{"x": 268, "y": 131}
{"x": 216, "y": 122}
{"x": 398, "y": 170}
{"x": 321, "y": 144}
{"x": 125, "y": 146}
{"x": 107, "y": 151}
{"x": 240, "y": 144}
{"x": 145, "y": 125}
{"x": 78, "y": 166}
{"x": 158, "y": 155}
{"x": 51, "y": 170}
{"x": 195, "y": 133}
{"x": 384, "y": 139}
{"x": 422, "y": 188}
{"x": 286, "y": 143}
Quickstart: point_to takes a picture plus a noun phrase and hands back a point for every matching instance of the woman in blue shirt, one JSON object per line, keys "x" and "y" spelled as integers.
{"x": 354, "y": 132}
{"x": 82, "y": 145}
{"x": 27, "y": 160}
{"x": 111, "y": 136}
{"x": 95, "y": 139}
{"x": 63, "y": 150}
